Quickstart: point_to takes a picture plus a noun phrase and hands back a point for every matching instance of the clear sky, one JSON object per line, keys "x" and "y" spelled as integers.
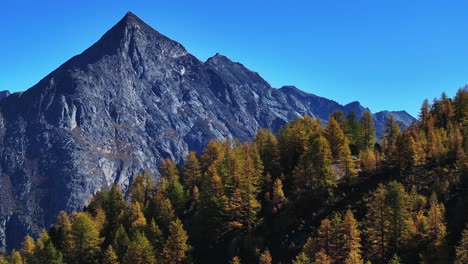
{"x": 387, "y": 54}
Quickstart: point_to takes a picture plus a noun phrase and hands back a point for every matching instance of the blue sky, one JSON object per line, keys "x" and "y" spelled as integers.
{"x": 387, "y": 54}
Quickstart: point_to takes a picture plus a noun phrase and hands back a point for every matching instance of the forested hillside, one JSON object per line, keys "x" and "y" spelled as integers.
{"x": 311, "y": 194}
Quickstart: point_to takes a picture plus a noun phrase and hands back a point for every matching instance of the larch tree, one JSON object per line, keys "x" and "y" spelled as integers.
{"x": 293, "y": 140}
{"x": 310, "y": 248}
{"x": 354, "y": 257}
{"x": 324, "y": 235}
{"x": 353, "y": 132}
{"x": 437, "y": 229}
{"x": 164, "y": 212}
{"x": 16, "y": 258}
{"x": 137, "y": 193}
{"x": 321, "y": 159}
{"x": 45, "y": 251}
{"x": 322, "y": 258}
{"x": 278, "y": 197}
{"x": 408, "y": 152}
{"x": 347, "y": 163}
{"x": 424, "y": 113}
{"x": 209, "y": 220}
{"x": 140, "y": 251}
{"x": 447, "y": 113}
{"x": 142, "y": 188}
{"x": 212, "y": 154}
{"x": 336, "y": 239}
{"x": 461, "y": 253}
{"x": 192, "y": 171}
{"x": 350, "y": 235}
{"x": 305, "y": 178}
{"x": 265, "y": 257}
{"x": 244, "y": 203}
{"x": 367, "y": 128}
{"x": 313, "y": 173}
{"x": 137, "y": 219}
{"x": 460, "y": 104}
{"x": 392, "y": 134}
{"x": 155, "y": 235}
{"x": 112, "y": 202}
{"x": 267, "y": 145}
{"x": 336, "y": 138}
{"x": 27, "y": 249}
{"x": 109, "y": 256}
{"x": 340, "y": 117}
{"x": 99, "y": 219}
{"x": 171, "y": 186}
{"x": 62, "y": 235}
{"x": 121, "y": 242}
{"x": 169, "y": 169}
{"x": 86, "y": 241}
{"x": 378, "y": 225}
{"x": 368, "y": 160}
{"x": 176, "y": 248}
{"x": 302, "y": 259}
{"x": 397, "y": 204}
{"x": 395, "y": 260}
{"x": 235, "y": 260}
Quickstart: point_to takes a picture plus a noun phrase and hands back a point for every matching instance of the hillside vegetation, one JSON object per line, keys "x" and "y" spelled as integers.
{"x": 311, "y": 194}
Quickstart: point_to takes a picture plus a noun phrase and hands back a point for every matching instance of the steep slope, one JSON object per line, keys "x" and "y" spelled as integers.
{"x": 130, "y": 100}
{"x": 401, "y": 117}
{"x": 320, "y": 106}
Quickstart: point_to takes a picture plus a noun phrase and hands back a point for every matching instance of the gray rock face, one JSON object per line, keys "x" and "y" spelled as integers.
{"x": 130, "y": 100}
{"x": 4, "y": 94}
{"x": 401, "y": 117}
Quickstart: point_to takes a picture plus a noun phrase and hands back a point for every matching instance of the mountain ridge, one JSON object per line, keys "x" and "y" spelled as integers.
{"x": 130, "y": 100}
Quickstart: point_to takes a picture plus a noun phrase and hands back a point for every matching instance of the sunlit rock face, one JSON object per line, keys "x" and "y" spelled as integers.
{"x": 132, "y": 99}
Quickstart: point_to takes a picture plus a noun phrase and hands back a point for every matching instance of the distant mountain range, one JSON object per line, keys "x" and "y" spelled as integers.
{"x": 130, "y": 100}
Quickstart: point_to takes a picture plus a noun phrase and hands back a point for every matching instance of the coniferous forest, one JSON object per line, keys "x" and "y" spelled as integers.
{"x": 314, "y": 193}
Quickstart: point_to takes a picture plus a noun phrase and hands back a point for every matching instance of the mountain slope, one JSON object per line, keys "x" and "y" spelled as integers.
{"x": 132, "y": 99}
{"x": 401, "y": 117}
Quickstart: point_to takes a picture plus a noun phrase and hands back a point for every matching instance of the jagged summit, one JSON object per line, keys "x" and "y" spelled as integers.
{"x": 130, "y": 20}
{"x": 353, "y": 103}
{"x": 130, "y": 42}
{"x": 130, "y": 15}
{"x": 131, "y": 30}
{"x": 219, "y": 57}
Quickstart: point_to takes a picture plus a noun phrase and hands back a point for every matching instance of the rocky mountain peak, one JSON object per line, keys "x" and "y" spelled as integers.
{"x": 131, "y": 38}
{"x": 353, "y": 103}
{"x": 219, "y": 59}
{"x": 4, "y": 94}
{"x": 130, "y": 18}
